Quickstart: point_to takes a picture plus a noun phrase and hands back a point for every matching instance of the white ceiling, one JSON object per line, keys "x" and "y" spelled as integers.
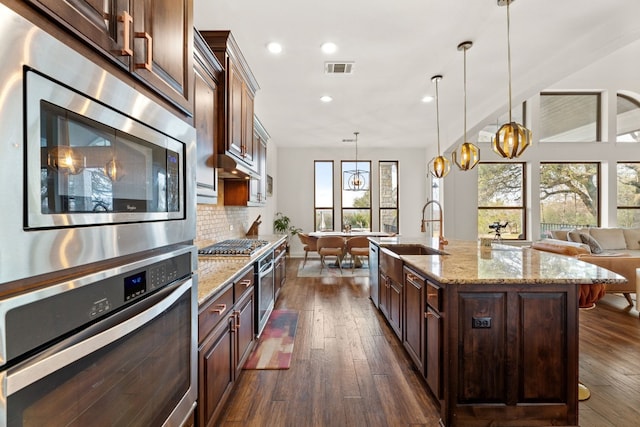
{"x": 397, "y": 46}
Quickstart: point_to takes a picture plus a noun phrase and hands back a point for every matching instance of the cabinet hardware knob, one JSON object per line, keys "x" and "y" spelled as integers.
{"x": 220, "y": 308}
{"x": 126, "y": 20}
{"x": 428, "y": 314}
{"x": 246, "y": 283}
{"x": 147, "y": 64}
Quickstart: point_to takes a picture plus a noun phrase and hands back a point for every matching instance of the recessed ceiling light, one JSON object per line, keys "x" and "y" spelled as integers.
{"x": 274, "y": 47}
{"x": 427, "y": 99}
{"x": 329, "y": 47}
{"x": 326, "y": 98}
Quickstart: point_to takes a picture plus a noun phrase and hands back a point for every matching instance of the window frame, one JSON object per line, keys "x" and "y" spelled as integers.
{"x": 317, "y": 208}
{"x": 618, "y": 205}
{"x": 598, "y": 119}
{"x": 522, "y": 207}
{"x": 599, "y": 192}
{"x": 397, "y": 195}
{"x": 342, "y": 193}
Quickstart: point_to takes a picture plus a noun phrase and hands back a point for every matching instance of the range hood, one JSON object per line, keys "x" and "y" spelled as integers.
{"x": 229, "y": 168}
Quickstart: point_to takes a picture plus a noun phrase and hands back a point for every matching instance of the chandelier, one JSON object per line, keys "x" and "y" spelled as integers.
{"x": 355, "y": 179}
{"x": 469, "y": 154}
{"x": 512, "y": 138}
{"x": 438, "y": 166}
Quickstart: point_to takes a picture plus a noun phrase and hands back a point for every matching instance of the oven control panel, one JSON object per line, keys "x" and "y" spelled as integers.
{"x": 79, "y": 302}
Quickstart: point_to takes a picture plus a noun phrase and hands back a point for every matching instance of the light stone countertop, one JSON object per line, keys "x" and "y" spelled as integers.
{"x": 214, "y": 272}
{"x": 465, "y": 263}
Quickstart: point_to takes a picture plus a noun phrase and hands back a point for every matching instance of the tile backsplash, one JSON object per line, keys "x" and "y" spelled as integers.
{"x": 215, "y": 223}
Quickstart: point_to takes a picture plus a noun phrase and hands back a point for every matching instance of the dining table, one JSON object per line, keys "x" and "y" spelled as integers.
{"x": 346, "y": 235}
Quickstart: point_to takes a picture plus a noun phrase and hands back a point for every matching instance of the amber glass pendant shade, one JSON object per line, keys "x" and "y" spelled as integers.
{"x": 66, "y": 160}
{"x": 439, "y": 167}
{"x": 469, "y": 156}
{"x": 511, "y": 140}
{"x": 114, "y": 170}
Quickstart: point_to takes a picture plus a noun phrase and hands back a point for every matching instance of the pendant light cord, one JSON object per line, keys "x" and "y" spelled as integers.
{"x": 509, "y": 56}
{"x": 438, "y": 114}
{"x": 465, "y": 95}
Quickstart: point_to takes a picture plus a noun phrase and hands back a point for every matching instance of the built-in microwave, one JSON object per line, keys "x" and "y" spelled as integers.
{"x": 91, "y": 168}
{"x": 94, "y": 165}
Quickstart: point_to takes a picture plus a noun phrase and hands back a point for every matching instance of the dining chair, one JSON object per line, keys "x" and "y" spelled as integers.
{"x": 332, "y": 246}
{"x": 357, "y": 247}
{"x": 309, "y": 245}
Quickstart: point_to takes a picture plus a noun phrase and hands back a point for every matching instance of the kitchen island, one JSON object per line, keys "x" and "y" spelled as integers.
{"x": 494, "y": 331}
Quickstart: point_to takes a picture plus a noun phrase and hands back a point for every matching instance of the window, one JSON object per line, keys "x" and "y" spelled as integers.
{"x": 569, "y": 195}
{"x": 628, "y": 119}
{"x": 388, "y": 196}
{"x": 569, "y": 117}
{"x": 501, "y": 200}
{"x": 629, "y": 194}
{"x": 323, "y": 195}
{"x": 356, "y": 203}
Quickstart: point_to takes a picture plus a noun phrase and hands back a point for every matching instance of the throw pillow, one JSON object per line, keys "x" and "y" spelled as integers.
{"x": 574, "y": 236}
{"x": 609, "y": 238}
{"x": 632, "y": 237}
{"x": 593, "y": 243}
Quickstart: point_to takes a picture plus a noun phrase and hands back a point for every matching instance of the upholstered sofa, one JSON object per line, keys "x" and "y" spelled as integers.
{"x": 616, "y": 249}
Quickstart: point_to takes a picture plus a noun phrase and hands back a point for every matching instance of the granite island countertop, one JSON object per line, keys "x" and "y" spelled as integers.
{"x": 465, "y": 263}
{"x": 214, "y": 272}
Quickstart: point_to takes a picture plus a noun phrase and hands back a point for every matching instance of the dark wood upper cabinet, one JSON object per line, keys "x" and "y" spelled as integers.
{"x": 207, "y": 72}
{"x": 236, "y": 99}
{"x": 151, "y": 39}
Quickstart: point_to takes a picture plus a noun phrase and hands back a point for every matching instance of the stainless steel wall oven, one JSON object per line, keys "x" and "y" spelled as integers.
{"x": 114, "y": 347}
{"x": 92, "y": 169}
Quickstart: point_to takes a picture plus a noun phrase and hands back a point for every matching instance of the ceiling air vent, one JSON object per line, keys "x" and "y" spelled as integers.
{"x": 338, "y": 67}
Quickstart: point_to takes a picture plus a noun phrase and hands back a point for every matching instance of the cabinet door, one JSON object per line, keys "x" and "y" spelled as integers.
{"x": 204, "y": 118}
{"x": 216, "y": 372}
{"x": 235, "y": 143}
{"x": 395, "y": 307}
{"x": 104, "y": 24}
{"x": 257, "y": 187}
{"x": 245, "y": 329}
{"x": 250, "y": 143}
{"x": 163, "y": 40}
{"x": 414, "y": 318}
{"x": 433, "y": 362}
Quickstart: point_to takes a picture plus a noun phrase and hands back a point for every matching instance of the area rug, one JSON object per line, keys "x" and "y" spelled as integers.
{"x": 276, "y": 342}
{"x": 312, "y": 269}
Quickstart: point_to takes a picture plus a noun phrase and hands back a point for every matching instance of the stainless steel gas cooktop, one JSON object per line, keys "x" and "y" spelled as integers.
{"x": 233, "y": 247}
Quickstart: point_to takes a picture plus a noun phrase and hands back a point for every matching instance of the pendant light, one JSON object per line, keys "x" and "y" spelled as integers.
{"x": 469, "y": 153}
{"x": 355, "y": 179}
{"x": 512, "y": 138}
{"x": 439, "y": 166}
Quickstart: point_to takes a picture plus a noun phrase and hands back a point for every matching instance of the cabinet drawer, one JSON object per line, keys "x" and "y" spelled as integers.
{"x": 213, "y": 312}
{"x": 282, "y": 247}
{"x": 243, "y": 285}
{"x": 434, "y": 296}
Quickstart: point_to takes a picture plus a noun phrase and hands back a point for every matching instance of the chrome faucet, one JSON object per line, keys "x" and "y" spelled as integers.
{"x": 441, "y": 240}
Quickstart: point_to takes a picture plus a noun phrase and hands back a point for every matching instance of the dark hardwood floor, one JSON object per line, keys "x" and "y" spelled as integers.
{"x": 348, "y": 368}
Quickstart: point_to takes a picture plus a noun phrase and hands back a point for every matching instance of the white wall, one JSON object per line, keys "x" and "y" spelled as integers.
{"x": 618, "y": 71}
{"x": 294, "y": 183}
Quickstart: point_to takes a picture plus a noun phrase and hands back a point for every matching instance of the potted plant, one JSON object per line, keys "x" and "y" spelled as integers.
{"x": 282, "y": 225}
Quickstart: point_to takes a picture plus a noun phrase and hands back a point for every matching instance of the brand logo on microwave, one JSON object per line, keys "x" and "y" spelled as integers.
{"x": 131, "y": 207}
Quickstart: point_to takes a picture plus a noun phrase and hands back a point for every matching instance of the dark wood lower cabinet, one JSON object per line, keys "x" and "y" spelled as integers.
{"x": 227, "y": 337}
{"x": 492, "y": 354}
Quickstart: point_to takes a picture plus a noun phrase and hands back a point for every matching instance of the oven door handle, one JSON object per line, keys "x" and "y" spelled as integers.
{"x": 88, "y": 341}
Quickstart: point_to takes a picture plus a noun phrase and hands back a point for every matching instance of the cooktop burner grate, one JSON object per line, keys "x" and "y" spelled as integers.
{"x": 238, "y": 247}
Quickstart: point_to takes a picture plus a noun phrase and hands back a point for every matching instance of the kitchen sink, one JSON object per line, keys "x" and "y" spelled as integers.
{"x": 412, "y": 249}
